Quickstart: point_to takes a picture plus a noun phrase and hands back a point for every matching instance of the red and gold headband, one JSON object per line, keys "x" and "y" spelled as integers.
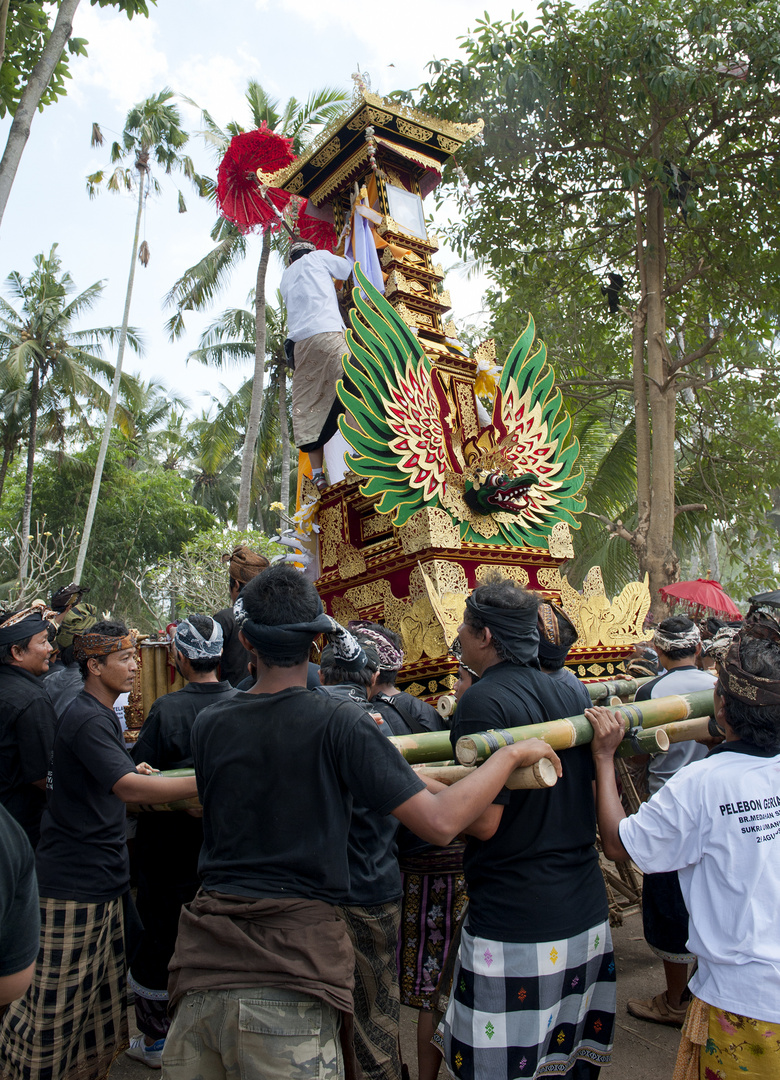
{"x": 87, "y": 645}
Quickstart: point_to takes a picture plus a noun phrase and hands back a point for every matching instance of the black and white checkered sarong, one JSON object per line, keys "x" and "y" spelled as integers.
{"x": 72, "y": 1022}
{"x": 523, "y": 1011}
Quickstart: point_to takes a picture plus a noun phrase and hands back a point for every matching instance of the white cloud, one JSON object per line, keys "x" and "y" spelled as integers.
{"x": 124, "y": 60}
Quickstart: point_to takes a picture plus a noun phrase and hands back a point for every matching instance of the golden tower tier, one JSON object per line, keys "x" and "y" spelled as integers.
{"x": 456, "y": 466}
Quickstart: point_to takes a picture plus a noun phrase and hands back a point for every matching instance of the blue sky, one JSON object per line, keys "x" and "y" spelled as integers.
{"x": 206, "y": 52}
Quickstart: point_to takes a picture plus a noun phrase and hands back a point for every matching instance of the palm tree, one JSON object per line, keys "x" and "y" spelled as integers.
{"x": 198, "y": 285}
{"x": 40, "y": 349}
{"x": 153, "y": 130}
{"x": 230, "y": 340}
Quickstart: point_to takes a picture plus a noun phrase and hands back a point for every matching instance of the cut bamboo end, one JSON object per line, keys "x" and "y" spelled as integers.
{"x": 541, "y": 774}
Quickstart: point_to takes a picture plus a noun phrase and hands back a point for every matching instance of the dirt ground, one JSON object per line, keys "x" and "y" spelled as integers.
{"x": 643, "y": 1051}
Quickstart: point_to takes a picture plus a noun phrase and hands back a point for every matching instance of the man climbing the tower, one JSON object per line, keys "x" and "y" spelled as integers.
{"x": 315, "y": 325}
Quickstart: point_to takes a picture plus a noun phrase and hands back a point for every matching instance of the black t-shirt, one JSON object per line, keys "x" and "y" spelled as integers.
{"x": 395, "y": 710}
{"x": 83, "y": 851}
{"x": 20, "y": 917}
{"x": 164, "y": 742}
{"x": 234, "y": 666}
{"x": 27, "y": 721}
{"x": 276, "y": 774}
{"x": 538, "y": 878}
{"x": 374, "y": 875}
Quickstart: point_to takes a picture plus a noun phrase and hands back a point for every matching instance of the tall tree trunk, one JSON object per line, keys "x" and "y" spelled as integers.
{"x": 39, "y": 79}
{"x": 141, "y": 164}
{"x": 284, "y": 434}
{"x": 660, "y": 560}
{"x": 28, "y": 481}
{"x": 256, "y": 404}
{"x": 8, "y": 455}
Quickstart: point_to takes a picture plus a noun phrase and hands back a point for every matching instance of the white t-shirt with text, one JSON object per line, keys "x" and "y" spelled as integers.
{"x": 717, "y": 822}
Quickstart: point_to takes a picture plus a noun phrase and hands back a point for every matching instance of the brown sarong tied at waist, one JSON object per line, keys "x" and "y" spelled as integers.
{"x": 228, "y": 942}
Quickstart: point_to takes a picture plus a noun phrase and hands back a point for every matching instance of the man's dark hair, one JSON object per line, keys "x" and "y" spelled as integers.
{"x": 6, "y": 656}
{"x": 205, "y": 627}
{"x": 756, "y": 724}
{"x": 295, "y": 255}
{"x": 677, "y": 624}
{"x": 334, "y": 675}
{"x": 279, "y": 595}
{"x": 108, "y": 629}
{"x": 501, "y": 592}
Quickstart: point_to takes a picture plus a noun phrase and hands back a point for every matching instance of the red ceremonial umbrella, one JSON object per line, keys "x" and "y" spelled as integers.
{"x": 315, "y": 230}
{"x": 701, "y": 598}
{"x": 241, "y": 197}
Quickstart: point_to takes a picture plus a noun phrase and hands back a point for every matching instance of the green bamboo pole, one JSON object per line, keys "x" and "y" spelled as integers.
{"x": 621, "y": 688}
{"x": 653, "y": 741}
{"x": 542, "y": 774}
{"x": 576, "y": 730}
{"x": 427, "y": 746}
{"x": 177, "y": 804}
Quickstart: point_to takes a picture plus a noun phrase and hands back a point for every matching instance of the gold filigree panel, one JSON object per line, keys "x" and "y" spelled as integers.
{"x": 412, "y": 131}
{"x": 447, "y": 144}
{"x": 549, "y": 578}
{"x": 331, "y": 522}
{"x": 376, "y": 525}
{"x": 295, "y": 184}
{"x": 344, "y": 611}
{"x": 416, "y": 689}
{"x": 516, "y": 573}
{"x": 429, "y": 527}
{"x": 359, "y": 121}
{"x": 559, "y": 542}
{"x": 446, "y": 577}
{"x": 327, "y": 154}
{"x": 351, "y": 562}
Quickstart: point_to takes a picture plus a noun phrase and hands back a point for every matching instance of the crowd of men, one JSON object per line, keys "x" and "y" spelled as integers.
{"x": 306, "y": 880}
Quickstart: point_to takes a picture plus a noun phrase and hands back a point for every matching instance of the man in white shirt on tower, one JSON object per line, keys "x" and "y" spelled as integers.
{"x": 315, "y": 325}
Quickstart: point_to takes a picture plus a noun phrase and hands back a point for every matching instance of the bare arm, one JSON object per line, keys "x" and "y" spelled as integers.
{"x": 15, "y": 986}
{"x": 134, "y": 787}
{"x": 608, "y": 732}
{"x": 439, "y": 817}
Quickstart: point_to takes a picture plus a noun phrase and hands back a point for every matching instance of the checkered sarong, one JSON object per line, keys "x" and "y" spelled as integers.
{"x": 522, "y": 1011}
{"x": 72, "y": 1022}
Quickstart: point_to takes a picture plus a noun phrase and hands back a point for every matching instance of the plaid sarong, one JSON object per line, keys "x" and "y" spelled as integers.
{"x": 374, "y": 934}
{"x": 72, "y": 1022}
{"x": 522, "y": 1011}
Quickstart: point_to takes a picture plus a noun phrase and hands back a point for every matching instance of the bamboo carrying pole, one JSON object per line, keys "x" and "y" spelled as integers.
{"x": 576, "y": 730}
{"x": 678, "y": 731}
{"x": 621, "y": 688}
{"x": 541, "y": 774}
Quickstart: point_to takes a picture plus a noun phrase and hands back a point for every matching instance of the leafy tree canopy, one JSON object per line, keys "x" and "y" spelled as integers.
{"x": 27, "y": 31}
{"x": 638, "y": 139}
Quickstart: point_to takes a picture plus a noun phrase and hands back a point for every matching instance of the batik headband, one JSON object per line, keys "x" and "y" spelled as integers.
{"x": 680, "y": 639}
{"x": 743, "y": 685}
{"x": 88, "y": 645}
{"x": 189, "y": 640}
{"x": 26, "y": 623}
{"x": 391, "y": 658}
{"x": 513, "y": 628}
{"x": 719, "y": 645}
{"x": 549, "y": 620}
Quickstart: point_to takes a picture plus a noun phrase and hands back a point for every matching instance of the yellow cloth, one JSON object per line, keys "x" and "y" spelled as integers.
{"x": 719, "y": 1045}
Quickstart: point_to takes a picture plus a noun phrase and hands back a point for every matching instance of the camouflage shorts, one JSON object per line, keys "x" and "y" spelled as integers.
{"x": 260, "y": 1033}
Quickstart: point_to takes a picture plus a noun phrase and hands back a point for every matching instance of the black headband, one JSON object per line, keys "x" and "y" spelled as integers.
{"x": 22, "y": 629}
{"x": 514, "y": 629}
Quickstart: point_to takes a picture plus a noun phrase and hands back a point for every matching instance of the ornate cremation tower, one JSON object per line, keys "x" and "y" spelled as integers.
{"x": 456, "y": 467}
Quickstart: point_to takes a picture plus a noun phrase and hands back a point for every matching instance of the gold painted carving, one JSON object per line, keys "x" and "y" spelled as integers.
{"x": 448, "y": 144}
{"x": 412, "y": 131}
{"x": 429, "y": 527}
{"x": 433, "y": 685}
{"x": 450, "y": 329}
{"x": 486, "y": 350}
{"x": 421, "y": 632}
{"x": 445, "y": 299}
{"x": 295, "y": 184}
{"x": 559, "y": 542}
{"x": 376, "y": 525}
{"x": 600, "y": 622}
{"x": 416, "y": 689}
{"x": 359, "y": 121}
{"x": 444, "y": 576}
{"x": 449, "y": 681}
{"x": 549, "y": 578}
{"x": 350, "y": 561}
{"x": 331, "y": 524}
{"x": 327, "y": 153}
{"x": 378, "y": 116}
{"x": 516, "y": 573}
{"x": 335, "y": 180}
{"x": 344, "y": 611}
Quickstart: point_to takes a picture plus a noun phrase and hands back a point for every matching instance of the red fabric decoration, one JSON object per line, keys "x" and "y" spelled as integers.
{"x": 315, "y": 230}
{"x": 701, "y": 598}
{"x": 239, "y": 194}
